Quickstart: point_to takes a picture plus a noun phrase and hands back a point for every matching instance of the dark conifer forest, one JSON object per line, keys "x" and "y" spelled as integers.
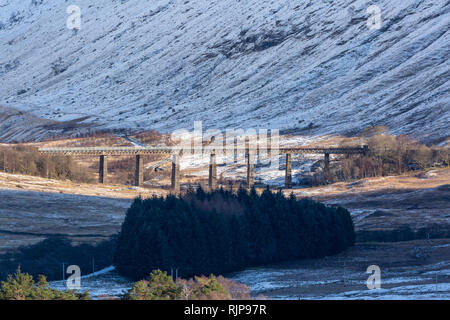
{"x": 219, "y": 232}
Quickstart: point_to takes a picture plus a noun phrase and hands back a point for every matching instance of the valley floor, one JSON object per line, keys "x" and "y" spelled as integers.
{"x": 33, "y": 208}
{"x": 417, "y": 269}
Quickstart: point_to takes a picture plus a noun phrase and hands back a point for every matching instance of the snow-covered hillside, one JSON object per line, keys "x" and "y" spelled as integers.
{"x": 312, "y": 66}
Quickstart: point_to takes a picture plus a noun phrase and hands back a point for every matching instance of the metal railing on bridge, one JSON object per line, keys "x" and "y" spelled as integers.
{"x": 97, "y": 151}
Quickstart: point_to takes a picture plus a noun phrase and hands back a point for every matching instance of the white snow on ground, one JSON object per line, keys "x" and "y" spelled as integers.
{"x": 426, "y": 291}
{"x": 269, "y": 170}
{"x": 108, "y": 282}
{"x": 100, "y": 272}
{"x": 162, "y": 64}
{"x": 405, "y": 287}
{"x": 134, "y": 142}
{"x": 101, "y": 283}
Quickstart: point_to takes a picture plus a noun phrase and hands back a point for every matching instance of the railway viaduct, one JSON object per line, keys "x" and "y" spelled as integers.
{"x": 138, "y": 152}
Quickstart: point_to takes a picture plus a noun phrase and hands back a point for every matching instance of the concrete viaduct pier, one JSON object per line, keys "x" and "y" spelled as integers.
{"x": 175, "y": 177}
{"x": 212, "y": 177}
{"x": 250, "y": 153}
{"x": 104, "y": 152}
{"x": 288, "y": 172}
{"x": 139, "y": 171}
{"x": 103, "y": 169}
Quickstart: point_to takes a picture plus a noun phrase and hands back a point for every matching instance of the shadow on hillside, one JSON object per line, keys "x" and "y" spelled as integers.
{"x": 47, "y": 258}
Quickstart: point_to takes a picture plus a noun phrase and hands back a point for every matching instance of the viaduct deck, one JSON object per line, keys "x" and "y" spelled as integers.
{"x": 130, "y": 151}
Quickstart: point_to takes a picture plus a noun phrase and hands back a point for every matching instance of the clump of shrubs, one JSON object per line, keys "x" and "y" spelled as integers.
{"x": 388, "y": 155}
{"x": 24, "y": 159}
{"x": 21, "y": 286}
{"x": 160, "y": 286}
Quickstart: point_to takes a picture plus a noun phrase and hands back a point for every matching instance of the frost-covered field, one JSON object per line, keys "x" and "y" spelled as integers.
{"x": 344, "y": 276}
{"x": 29, "y": 217}
{"x": 319, "y": 285}
{"x": 105, "y": 282}
{"x": 303, "y": 65}
{"x": 409, "y": 270}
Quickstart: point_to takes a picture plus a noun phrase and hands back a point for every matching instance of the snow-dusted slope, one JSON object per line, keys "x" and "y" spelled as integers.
{"x": 161, "y": 64}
